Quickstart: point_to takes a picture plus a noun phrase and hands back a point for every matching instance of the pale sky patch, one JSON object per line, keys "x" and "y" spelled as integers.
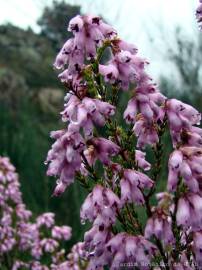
{"x": 147, "y": 23}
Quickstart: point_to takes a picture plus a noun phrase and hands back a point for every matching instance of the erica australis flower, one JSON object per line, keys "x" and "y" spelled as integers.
{"x": 104, "y": 149}
{"x": 95, "y": 241}
{"x": 74, "y": 259}
{"x": 87, "y": 113}
{"x": 189, "y": 211}
{"x": 101, "y": 205}
{"x": 147, "y": 133}
{"x": 89, "y": 33}
{"x": 141, "y": 161}
{"x": 63, "y": 232}
{"x": 181, "y": 116}
{"x": 160, "y": 225}
{"x": 146, "y": 103}
{"x": 132, "y": 185}
{"x": 65, "y": 157}
{"x": 20, "y": 234}
{"x": 186, "y": 163}
{"x": 100, "y": 153}
{"x": 46, "y": 219}
{"x": 126, "y": 248}
{"x": 49, "y": 245}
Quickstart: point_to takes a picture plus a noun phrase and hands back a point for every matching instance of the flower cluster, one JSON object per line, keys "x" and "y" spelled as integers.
{"x": 132, "y": 184}
{"x": 35, "y": 239}
{"x": 160, "y": 226}
{"x": 107, "y": 163}
{"x": 76, "y": 259}
{"x": 186, "y": 163}
{"x": 181, "y": 117}
{"x": 126, "y": 248}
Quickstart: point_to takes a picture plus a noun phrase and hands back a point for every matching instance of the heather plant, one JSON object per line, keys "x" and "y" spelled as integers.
{"x": 27, "y": 242}
{"x": 109, "y": 159}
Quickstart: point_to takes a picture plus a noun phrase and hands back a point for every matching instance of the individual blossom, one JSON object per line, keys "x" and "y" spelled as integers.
{"x": 71, "y": 57}
{"x": 186, "y": 163}
{"x": 100, "y": 206}
{"x": 192, "y": 137}
{"x": 102, "y": 149}
{"x": 46, "y": 219}
{"x": 121, "y": 45}
{"x": 75, "y": 260}
{"x": 141, "y": 161}
{"x": 9, "y": 184}
{"x": 7, "y": 239}
{"x": 22, "y": 212}
{"x": 61, "y": 232}
{"x": 148, "y": 104}
{"x": 123, "y": 68}
{"x": 37, "y": 250}
{"x": 95, "y": 241}
{"x": 28, "y": 234}
{"x": 11, "y": 192}
{"x": 180, "y": 116}
{"x": 77, "y": 256}
{"x": 6, "y": 218}
{"x": 160, "y": 226}
{"x": 189, "y": 211}
{"x": 130, "y": 249}
{"x": 110, "y": 72}
{"x": 7, "y": 170}
{"x": 132, "y": 185}
{"x": 49, "y": 245}
{"x": 146, "y": 133}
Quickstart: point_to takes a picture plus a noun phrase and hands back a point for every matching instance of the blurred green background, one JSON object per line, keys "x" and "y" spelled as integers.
{"x": 31, "y": 98}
